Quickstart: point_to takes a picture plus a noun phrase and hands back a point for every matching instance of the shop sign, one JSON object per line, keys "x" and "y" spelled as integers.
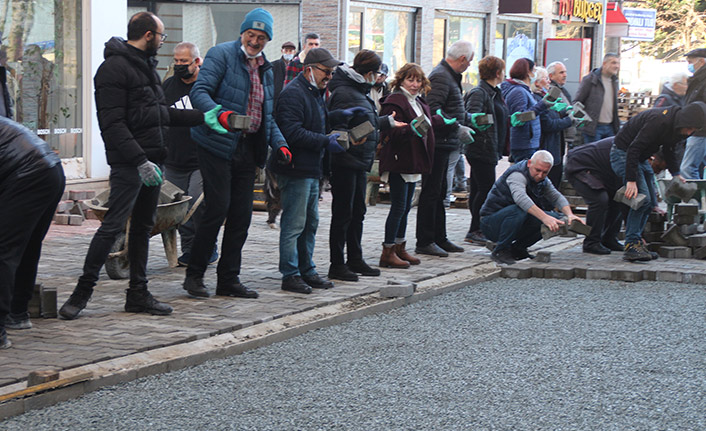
{"x": 642, "y": 23}
{"x": 581, "y": 9}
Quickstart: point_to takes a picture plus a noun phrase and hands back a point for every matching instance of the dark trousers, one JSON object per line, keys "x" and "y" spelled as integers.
{"x": 431, "y": 214}
{"x": 512, "y": 227}
{"x": 401, "y": 195}
{"x": 28, "y": 207}
{"x": 604, "y": 215}
{"x": 129, "y": 198}
{"x": 228, "y": 194}
{"x": 481, "y": 181}
{"x": 555, "y": 175}
{"x": 347, "y": 213}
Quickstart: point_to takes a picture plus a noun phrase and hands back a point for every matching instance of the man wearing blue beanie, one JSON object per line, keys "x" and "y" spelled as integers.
{"x": 237, "y": 80}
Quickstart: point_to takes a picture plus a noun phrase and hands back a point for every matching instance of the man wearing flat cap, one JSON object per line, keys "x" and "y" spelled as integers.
{"x": 237, "y": 79}
{"x": 695, "y": 153}
{"x": 304, "y": 120}
{"x": 279, "y": 67}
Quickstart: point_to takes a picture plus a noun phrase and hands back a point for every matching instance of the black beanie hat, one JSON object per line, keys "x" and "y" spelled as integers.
{"x": 692, "y": 116}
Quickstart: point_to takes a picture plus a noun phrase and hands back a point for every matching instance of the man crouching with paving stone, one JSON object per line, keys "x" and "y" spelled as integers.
{"x": 641, "y": 137}
{"x": 515, "y": 209}
{"x": 133, "y": 117}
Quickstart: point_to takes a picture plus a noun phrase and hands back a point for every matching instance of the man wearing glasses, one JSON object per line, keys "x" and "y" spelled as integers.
{"x": 235, "y": 80}
{"x": 133, "y": 116}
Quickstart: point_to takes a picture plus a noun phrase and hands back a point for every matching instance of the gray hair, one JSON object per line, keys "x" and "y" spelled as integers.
{"x": 460, "y": 48}
{"x": 677, "y": 77}
{"x": 609, "y": 56}
{"x": 193, "y": 49}
{"x": 539, "y": 73}
{"x": 543, "y": 156}
{"x": 551, "y": 67}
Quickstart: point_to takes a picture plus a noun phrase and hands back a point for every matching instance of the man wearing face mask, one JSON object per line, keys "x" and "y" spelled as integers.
{"x": 695, "y": 153}
{"x": 279, "y": 67}
{"x": 182, "y": 164}
{"x": 295, "y": 67}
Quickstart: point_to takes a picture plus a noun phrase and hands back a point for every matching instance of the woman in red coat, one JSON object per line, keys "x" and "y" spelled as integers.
{"x": 406, "y": 154}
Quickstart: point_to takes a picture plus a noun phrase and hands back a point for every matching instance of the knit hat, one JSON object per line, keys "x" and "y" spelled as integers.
{"x": 692, "y": 116}
{"x": 258, "y": 19}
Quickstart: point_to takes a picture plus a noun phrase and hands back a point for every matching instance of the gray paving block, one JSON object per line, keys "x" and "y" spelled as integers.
{"x": 559, "y": 272}
{"x": 689, "y": 229}
{"x": 580, "y": 228}
{"x": 580, "y": 272}
{"x": 686, "y": 219}
{"x": 543, "y": 256}
{"x": 634, "y": 203}
{"x": 514, "y": 271}
{"x": 697, "y": 241}
{"x": 599, "y": 274}
{"x": 675, "y": 252}
{"x": 699, "y": 253}
{"x": 649, "y": 275}
{"x": 652, "y": 237}
{"x": 674, "y": 237}
{"x": 396, "y": 289}
{"x": 627, "y": 274}
{"x": 75, "y": 220}
{"x": 64, "y": 206}
{"x": 686, "y": 209}
{"x": 538, "y": 271}
{"x": 656, "y": 218}
{"x": 683, "y": 191}
{"x": 694, "y": 278}
{"x": 669, "y": 276}
{"x": 547, "y": 233}
{"x": 655, "y": 227}
{"x": 77, "y": 195}
{"x": 61, "y": 218}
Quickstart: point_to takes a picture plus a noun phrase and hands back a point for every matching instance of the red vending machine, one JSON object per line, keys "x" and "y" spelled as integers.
{"x": 576, "y": 56}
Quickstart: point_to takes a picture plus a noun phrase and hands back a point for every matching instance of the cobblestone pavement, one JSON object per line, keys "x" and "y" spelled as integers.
{"x": 104, "y": 331}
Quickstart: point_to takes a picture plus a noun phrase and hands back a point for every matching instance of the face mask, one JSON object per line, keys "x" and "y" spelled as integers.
{"x": 288, "y": 57}
{"x": 312, "y": 81}
{"x": 182, "y": 71}
{"x": 691, "y": 68}
{"x": 533, "y": 79}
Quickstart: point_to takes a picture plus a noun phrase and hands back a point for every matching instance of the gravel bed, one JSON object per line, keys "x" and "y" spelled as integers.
{"x": 507, "y": 354}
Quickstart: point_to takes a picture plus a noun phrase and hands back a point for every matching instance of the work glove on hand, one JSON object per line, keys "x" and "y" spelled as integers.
{"x": 284, "y": 156}
{"x": 150, "y": 174}
{"x": 350, "y": 112}
{"x": 472, "y": 119}
{"x": 212, "y": 120}
{"x": 465, "y": 135}
{"x": 514, "y": 122}
{"x": 414, "y": 129}
{"x": 333, "y": 146}
{"x": 559, "y": 105}
{"x": 447, "y": 121}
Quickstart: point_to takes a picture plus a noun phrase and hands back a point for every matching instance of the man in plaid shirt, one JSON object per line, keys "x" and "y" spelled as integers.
{"x": 295, "y": 66}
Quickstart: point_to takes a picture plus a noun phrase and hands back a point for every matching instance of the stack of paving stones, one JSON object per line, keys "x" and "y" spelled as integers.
{"x": 683, "y": 238}
{"x": 72, "y": 208}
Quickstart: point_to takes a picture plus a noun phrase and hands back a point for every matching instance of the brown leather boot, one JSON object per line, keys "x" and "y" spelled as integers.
{"x": 389, "y": 258}
{"x": 402, "y": 253}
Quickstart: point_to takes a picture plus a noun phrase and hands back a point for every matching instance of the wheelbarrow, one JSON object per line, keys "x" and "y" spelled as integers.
{"x": 172, "y": 211}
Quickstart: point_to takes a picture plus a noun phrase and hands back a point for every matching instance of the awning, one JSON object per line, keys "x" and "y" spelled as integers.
{"x": 616, "y": 23}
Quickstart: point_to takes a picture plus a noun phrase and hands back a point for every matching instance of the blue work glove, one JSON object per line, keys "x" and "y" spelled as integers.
{"x": 333, "y": 146}
{"x": 447, "y": 121}
{"x": 350, "y": 112}
{"x": 150, "y": 174}
{"x": 514, "y": 122}
{"x": 474, "y": 124}
{"x": 414, "y": 129}
{"x": 211, "y": 120}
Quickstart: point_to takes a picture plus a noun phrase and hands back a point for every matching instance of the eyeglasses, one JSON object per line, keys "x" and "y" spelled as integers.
{"x": 328, "y": 72}
{"x": 162, "y": 35}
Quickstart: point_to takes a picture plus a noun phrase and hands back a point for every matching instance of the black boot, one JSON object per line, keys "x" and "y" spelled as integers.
{"x": 362, "y": 268}
{"x": 76, "y": 302}
{"x": 142, "y": 301}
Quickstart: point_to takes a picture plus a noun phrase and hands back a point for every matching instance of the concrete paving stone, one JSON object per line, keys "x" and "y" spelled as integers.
{"x": 543, "y": 256}
{"x": 559, "y": 272}
{"x": 580, "y": 272}
{"x": 674, "y": 237}
{"x": 697, "y": 241}
{"x": 655, "y": 227}
{"x": 627, "y": 275}
{"x": 669, "y": 276}
{"x": 689, "y": 229}
{"x": 686, "y": 209}
{"x": 685, "y": 219}
{"x": 694, "y": 278}
{"x": 674, "y": 252}
{"x": 655, "y": 217}
{"x": 699, "y": 253}
{"x": 599, "y": 274}
{"x": 514, "y": 271}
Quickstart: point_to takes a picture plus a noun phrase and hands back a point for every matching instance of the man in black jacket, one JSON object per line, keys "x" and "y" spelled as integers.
{"x": 279, "y": 67}
{"x": 695, "y": 152}
{"x": 446, "y": 96}
{"x": 640, "y": 138}
{"x": 133, "y": 116}
{"x": 31, "y": 184}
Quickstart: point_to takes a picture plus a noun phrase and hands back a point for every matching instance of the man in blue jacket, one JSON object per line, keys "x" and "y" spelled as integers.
{"x": 237, "y": 79}
{"x": 303, "y": 118}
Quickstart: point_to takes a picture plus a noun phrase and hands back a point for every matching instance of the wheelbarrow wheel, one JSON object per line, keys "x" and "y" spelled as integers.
{"x": 118, "y": 268}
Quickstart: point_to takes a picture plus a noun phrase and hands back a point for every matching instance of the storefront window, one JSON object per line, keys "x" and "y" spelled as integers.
{"x": 449, "y": 29}
{"x": 520, "y": 41}
{"x": 41, "y": 40}
{"x": 390, "y": 33}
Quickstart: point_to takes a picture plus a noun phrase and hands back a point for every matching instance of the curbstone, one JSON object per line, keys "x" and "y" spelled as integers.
{"x": 559, "y": 272}
{"x": 598, "y": 274}
{"x": 512, "y": 271}
{"x": 669, "y": 276}
{"x": 538, "y": 271}
{"x": 627, "y": 275}
{"x": 649, "y": 275}
{"x": 694, "y": 278}
{"x": 396, "y": 289}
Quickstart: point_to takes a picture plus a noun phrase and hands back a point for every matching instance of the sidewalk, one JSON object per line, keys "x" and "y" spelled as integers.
{"x": 105, "y": 332}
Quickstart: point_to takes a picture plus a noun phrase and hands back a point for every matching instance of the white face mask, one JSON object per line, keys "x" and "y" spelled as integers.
{"x": 312, "y": 81}
{"x": 288, "y": 57}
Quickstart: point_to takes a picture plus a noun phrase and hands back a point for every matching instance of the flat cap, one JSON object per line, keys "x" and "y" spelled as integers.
{"x": 321, "y": 56}
{"x": 288, "y": 45}
{"x": 698, "y": 52}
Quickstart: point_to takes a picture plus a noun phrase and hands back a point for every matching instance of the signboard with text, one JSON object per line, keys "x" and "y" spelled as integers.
{"x": 642, "y": 23}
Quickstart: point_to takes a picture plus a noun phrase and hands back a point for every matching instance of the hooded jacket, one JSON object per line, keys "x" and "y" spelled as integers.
{"x": 22, "y": 153}
{"x": 349, "y": 89}
{"x": 224, "y": 80}
{"x": 590, "y": 93}
{"x": 519, "y": 98}
{"x": 133, "y": 115}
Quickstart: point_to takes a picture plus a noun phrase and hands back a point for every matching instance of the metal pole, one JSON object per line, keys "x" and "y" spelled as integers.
{"x": 601, "y": 35}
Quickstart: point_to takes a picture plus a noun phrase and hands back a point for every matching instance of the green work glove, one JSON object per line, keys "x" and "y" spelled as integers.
{"x": 414, "y": 129}
{"x": 514, "y": 122}
{"x": 559, "y": 106}
{"x": 211, "y": 120}
{"x": 447, "y": 121}
{"x": 479, "y": 127}
{"x": 150, "y": 174}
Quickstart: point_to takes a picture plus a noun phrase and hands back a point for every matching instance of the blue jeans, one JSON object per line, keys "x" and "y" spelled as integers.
{"x": 602, "y": 131}
{"x": 637, "y": 219}
{"x": 694, "y": 157}
{"x": 401, "y": 194}
{"x": 300, "y": 219}
{"x": 513, "y": 227}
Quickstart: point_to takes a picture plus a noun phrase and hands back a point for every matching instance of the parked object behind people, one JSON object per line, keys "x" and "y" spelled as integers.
{"x": 598, "y": 92}
{"x": 484, "y": 153}
{"x": 31, "y": 183}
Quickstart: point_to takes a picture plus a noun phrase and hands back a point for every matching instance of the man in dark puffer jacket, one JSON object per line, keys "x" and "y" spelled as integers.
{"x": 31, "y": 183}
{"x": 133, "y": 117}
